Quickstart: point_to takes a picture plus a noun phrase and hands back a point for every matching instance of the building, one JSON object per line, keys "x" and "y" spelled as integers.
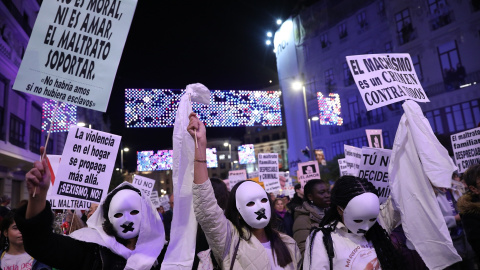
{"x": 268, "y": 140}
{"x": 21, "y": 132}
{"x": 441, "y": 37}
{"x": 227, "y": 156}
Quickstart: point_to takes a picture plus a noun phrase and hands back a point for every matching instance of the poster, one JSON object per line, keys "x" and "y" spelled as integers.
{"x": 353, "y": 158}
{"x": 307, "y": 171}
{"x": 156, "y": 200}
{"x": 375, "y": 138}
{"x": 342, "y": 166}
{"x": 384, "y": 79}
{"x": 268, "y": 172}
{"x": 163, "y": 201}
{"x": 74, "y": 51}
{"x": 236, "y": 176}
{"x": 374, "y": 168}
{"x": 144, "y": 184}
{"x": 466, "y": 148}
{"x": 87, "y": 164}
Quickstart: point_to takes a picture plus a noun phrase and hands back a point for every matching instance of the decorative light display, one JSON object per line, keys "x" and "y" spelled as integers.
{"x": 329, "y": 108}
{"x": 212, "y": 158}
{"x": 233, "y": 108}
{"x": 246, "y": 154}
{"x": 150, "y": 161}
{"x": 65, "y": 117}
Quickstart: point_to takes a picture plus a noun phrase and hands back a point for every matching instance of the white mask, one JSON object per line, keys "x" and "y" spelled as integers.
{"x": 253, "y": 204}
{"x": 125, "y": 213}
{"x": 361, "y": 213}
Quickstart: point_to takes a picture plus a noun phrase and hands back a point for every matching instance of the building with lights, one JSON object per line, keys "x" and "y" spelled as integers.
{"x": 441, "y": 37}
{"x": 24, "y": 118}
{"x": 227, "y": 156}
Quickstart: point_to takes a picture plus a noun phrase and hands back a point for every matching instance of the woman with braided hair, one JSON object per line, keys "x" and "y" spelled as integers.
{"x": 349, "y": 236}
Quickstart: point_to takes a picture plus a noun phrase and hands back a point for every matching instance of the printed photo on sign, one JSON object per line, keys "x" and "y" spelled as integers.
{"x": 308, "y": 171}
{"x": 74, "y": 51}
{"x": 466, "y": 148}
{"x": 384, "y": 79}
{"x": 320, "y": 157}
{"x": 374, "y": 137}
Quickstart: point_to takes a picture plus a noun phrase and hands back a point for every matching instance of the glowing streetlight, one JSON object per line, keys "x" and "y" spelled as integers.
{"x": 297, "y": 85}
{"x": 81, "y": 124}
{"x": 315, "y": 118}
{"x": 279, "y": 22}
{"x": 268, "y": 42}
{"x": 269, "y": 34}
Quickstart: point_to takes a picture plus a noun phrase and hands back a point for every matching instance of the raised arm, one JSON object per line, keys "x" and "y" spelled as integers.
{"x": 38, "y": 182}
{"x": 197, "y": 130}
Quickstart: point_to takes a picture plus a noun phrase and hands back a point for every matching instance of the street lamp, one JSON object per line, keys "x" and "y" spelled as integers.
{"x": 229, "y": 152}
{"x": 297, "y": 85}
{"x": 126, "y": 149}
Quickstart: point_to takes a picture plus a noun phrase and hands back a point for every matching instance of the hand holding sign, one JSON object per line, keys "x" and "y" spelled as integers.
{"x": 38, "y": 181}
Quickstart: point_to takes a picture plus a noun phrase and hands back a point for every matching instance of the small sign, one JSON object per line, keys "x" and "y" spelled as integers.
{"x": 375, "y": 138}
{"x": 143, "y": 183}
{"x": 236, "y": 176}
{"x": 466, "y": 148}
{"x": 374, "y": 168}
{"x": 307, "y": 171}
{"x": 353, "y": 157}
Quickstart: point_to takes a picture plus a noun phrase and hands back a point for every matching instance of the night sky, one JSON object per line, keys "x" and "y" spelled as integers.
{"x": 171, "y": 44}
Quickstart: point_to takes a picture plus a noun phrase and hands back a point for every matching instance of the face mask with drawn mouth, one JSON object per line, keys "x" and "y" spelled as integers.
{"x": 125, "y": 213}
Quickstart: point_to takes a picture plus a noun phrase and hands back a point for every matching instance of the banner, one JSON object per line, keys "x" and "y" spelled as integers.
{"x": 353, "y": 158}
{"x": 466, "y": 148}
{"x": 307, "y": 171}
{"x": 144, "y": 184}
{"x": 384, "y": 79}
{"x": 374, "y": 168}
{"x": 87, "y": 164}
{"x": 236, "y": 176}
{"x": 74, "y": 51}
{"x": 375, "y": 138}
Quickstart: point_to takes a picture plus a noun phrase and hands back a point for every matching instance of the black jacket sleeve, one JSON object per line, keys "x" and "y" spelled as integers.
{"x": 471, "y": 225}
{"x": 53, "y": 249}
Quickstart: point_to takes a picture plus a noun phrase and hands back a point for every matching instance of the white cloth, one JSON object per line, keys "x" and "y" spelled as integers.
{"x": 181, "y": 248}
{"x": 21, "y": 261}
{"x": 418, "y": 160}
{"x": 151, "y": 238}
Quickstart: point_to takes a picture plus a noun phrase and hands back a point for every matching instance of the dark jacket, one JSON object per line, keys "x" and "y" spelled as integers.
{"x": 469, "y": 208}
{"x": 306, "y": 217}
{"x": 61, "y": 251}
{"x": 294, "y": 203}
{"x": 284, "y": 224}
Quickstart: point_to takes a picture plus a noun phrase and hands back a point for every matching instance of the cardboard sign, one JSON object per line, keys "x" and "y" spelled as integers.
{"x": 342, "y": 165}
{"x": 374, "y": 168}
{"x": 144, "y": 184}
{"x": 87, "y": 164}
{"x": 253, "y": 175}
{"x": 164, "y": 202}
{"x": 155, "y": 200}
{"x": 74, "y": 51}
{"x": 384, "y": 79}
{"x": 375, "y": 138}
{"x": 236, "y": 176}
{"x": 353, "y": 157}
{"x": 268, "y": 166}
{"x": 307, "y": 171}
{"x": 466, "y": 148}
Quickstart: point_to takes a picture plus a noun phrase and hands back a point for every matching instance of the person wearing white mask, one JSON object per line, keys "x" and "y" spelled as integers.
{"x": 350, "y": 236}
{"x": 125, "y": 232}
{"x": 243, "y": 238}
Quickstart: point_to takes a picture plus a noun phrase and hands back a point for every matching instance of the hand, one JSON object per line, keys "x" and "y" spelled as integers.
{"x": 197, "y": 126}
{"x": 457, "y": 217}
{"x": 38, "y": 178}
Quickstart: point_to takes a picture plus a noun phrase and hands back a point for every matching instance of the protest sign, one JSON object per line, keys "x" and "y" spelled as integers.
{"x": 252, "y": 175}
{"x": 268, "y": 172}
{"x": 374, "y": 168}
{"x": 342, "y": 165}
{"x": 163, "y": 201}
{"x": 74, "y": 51}
{"x": 236, "y": 176}
{"x": 374, "y": 137}
{"x": 308, "y": 171}
{"x": 353, "y": 157}
{"x": 143, "y": 183}
{"x": 466, "y": 148}
{"x": 87, "y": 164}
{"x": 156, "y": 200}
{"x": 384, "y": 79}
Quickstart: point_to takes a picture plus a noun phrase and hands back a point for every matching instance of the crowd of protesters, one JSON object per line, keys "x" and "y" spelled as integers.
{"x": 245, "y": 228}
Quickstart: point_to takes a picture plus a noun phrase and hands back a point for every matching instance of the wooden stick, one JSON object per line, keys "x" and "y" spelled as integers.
{"x": 71, "y": 222}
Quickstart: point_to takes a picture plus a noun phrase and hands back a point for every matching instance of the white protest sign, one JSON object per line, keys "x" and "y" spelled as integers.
{"x": 74, "y": 51}
{"x": 342, "y": 167}
{"x": 87, "y": 164}
{"x": 308, "y": 171}
{"x": 375, "y": 138}
{"x": 353, "y": 157}
{"x": 268, "y": 172}
{"x": 236, "y": 176}
{"x": 253, "y": 175}
{"x": 155, "y": 200}
{"x": 384, "y": 79}
{"x": 466, "y": 148}
{"x": 60, "y": 202}
{"x": 164, "y": 202}
{"x": 144, "y": 184}
{"x": 374, "y": 168}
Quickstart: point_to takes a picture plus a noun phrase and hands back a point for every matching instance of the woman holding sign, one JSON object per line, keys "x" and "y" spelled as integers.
{"x": 244, "y": 238}
{"x": 124, "y": 233}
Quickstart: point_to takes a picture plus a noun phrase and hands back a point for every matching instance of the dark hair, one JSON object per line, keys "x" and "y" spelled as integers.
{"x": 298, "y": 186}
{"x": 279, "y": 249}
{"x": 308, "y": 188}
{"x": 471, "y": 175}
{"x": 107, "y": 225}
{"x": 6, "y": 222}
{"x": 345, "y": 189}
{"x": 221, "y": 192}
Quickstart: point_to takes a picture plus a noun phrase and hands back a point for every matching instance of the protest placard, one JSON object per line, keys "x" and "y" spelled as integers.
{"x": 164, "y": 202}
{"x": 143, "y": 183}
{"x": 353, "y": 157}
{"x": 342, "y": 166}
{"x": 307, "y": 171}
{"x": 74, "y": 51}
{"x": 236, "y": 176}
{"x": 156, "y": 200}
{"x": 384, "y": 79}
{"x": 466, "y": 148}
{"x": 87, "y": 164}
{"x": 374, "y": 168}
{"x": 252, "y": 175}
{"x": 374, "y": 137}
{"x": 268, "y": 166}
